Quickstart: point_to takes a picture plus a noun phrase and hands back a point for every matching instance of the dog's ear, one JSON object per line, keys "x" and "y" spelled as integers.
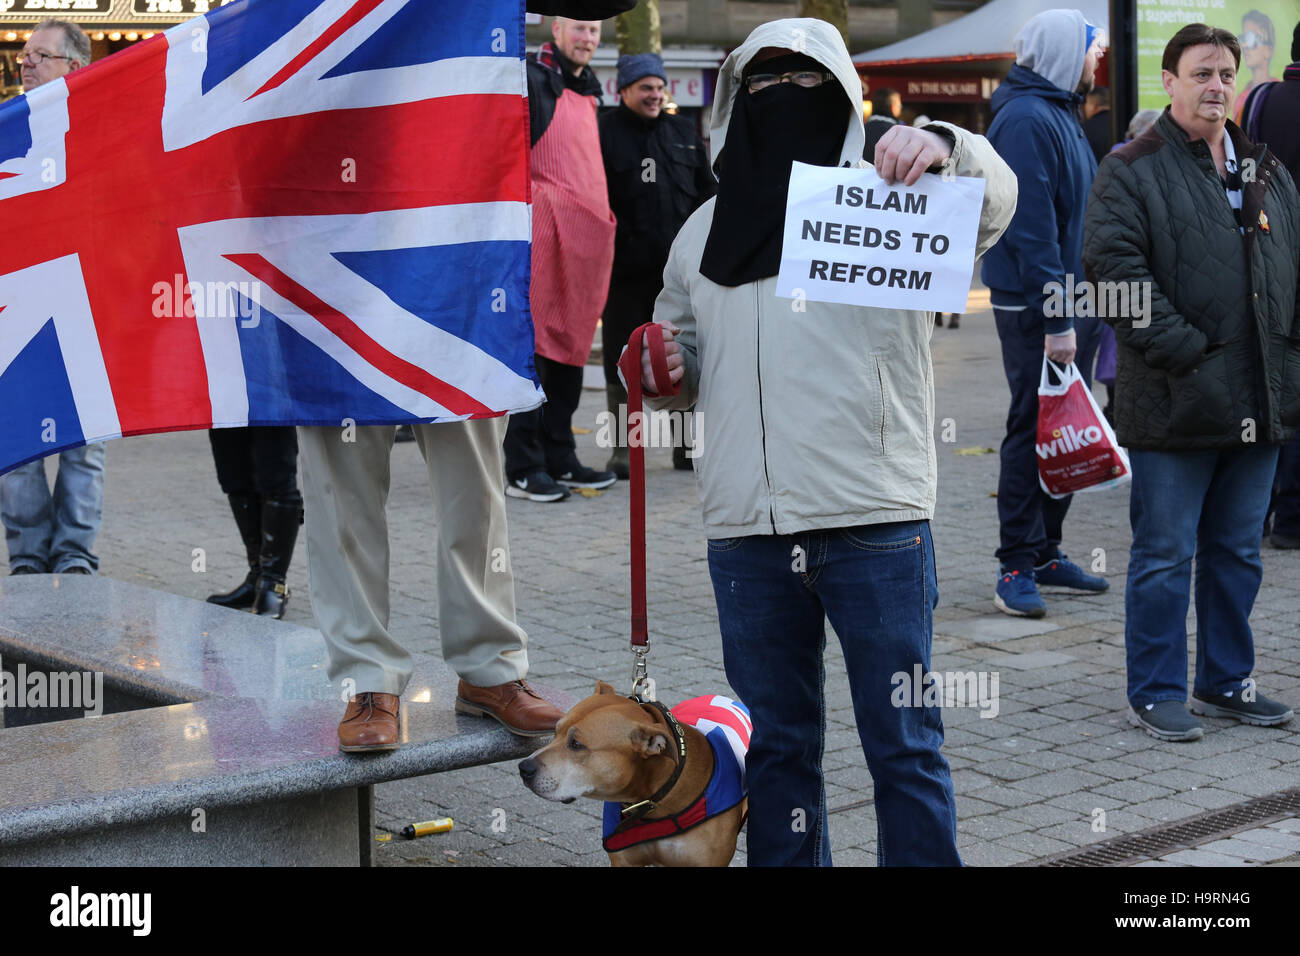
{"x": 603, "y": 688}
{"x": 650, "y": 741}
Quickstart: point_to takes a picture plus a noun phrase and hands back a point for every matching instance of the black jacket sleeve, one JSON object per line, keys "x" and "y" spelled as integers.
{"x": 581, "y": 9}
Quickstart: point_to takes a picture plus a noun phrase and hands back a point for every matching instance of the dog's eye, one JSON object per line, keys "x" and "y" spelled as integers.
{"x": 574, "y": 745}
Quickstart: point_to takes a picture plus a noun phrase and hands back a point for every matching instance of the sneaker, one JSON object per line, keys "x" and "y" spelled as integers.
{"x": 1061, "y": 572}
{"x": 1283, "y": 542}
{"x": 1167, "y": 720}
{"x": 1017, "y": 594}
{"x": 539, "y": 486}
{"x": 1261, "y": 712}
{"x": 580, "y": 476}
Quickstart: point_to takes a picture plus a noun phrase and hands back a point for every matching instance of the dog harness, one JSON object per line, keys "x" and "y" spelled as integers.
{"x": 725, "y": 724}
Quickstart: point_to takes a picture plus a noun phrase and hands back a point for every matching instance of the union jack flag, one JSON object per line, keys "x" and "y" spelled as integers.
{"x": 284, "y": 212}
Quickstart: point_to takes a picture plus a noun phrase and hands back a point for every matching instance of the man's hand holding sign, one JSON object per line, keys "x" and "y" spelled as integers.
{"x": 903, "y": 155}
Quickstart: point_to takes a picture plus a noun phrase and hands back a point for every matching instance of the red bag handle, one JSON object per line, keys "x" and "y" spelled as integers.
{"x": 629, "y": 364}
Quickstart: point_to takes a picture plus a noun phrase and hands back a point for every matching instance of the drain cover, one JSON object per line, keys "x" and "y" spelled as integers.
{"x": 1181, "y": 834}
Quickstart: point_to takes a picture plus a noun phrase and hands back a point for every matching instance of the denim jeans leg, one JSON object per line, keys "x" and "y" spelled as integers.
{"x": 79, "y": 507}
{"x": 28, "y": 513}
{"x": 1165, "y": 504}
{"x": 879, "y": 590}
{"x": 773, "y": 637}
{"x": 1228, "y": 567}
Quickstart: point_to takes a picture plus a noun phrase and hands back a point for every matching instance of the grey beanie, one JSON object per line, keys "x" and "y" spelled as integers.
{"x": 637, "y": 66}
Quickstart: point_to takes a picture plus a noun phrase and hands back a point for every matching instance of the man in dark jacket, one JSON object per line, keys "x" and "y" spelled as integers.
{"x": 658, "y": 174}
{"x": 1208, "y": 380}
{"x": 1270, "y": 117}
{"x": 1036, "y": 130}
{"x": 1096, "y": 122}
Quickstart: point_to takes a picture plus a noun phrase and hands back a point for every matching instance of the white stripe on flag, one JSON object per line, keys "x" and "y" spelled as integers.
{"x": 55, "y": 289}
{"x": 303, "y": 247}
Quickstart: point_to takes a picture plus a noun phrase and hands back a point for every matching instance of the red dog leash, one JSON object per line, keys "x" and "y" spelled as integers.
{"x": 629, "y": 364}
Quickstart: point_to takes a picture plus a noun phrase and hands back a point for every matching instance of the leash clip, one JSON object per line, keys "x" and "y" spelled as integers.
{"x": 643, "y": 685}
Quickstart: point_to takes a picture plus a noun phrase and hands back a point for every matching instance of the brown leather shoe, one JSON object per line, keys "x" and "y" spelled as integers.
{"x": 516, "y": 705}
{"x": 370, "y": 723}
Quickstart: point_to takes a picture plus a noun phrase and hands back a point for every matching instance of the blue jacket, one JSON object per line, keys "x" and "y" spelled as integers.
{"x": 1036, "y": 130}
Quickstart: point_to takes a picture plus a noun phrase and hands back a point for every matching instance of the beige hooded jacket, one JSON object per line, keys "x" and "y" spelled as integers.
{"x": 822, "y": 418}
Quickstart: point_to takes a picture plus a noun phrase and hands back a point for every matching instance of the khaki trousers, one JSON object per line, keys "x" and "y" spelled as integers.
{"x": 346, "y": 494}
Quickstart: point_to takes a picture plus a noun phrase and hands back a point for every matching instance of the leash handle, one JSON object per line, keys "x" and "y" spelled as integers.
{"x": 630, "y": 365}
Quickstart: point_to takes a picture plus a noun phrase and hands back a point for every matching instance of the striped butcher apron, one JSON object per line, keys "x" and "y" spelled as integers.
{"x": 573, "y": 232}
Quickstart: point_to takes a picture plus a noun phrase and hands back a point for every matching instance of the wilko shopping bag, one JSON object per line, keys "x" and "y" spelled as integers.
{"x": 1076, "y": 447}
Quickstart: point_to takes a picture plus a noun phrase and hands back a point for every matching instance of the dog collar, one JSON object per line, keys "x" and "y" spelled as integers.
{"x": 635, "y": 811}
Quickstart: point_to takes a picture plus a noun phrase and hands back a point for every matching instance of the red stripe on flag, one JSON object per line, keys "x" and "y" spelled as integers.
{"x": 7, "y": 175}
{"x": 412, "y": 376}
{"x": 318, "y": 46}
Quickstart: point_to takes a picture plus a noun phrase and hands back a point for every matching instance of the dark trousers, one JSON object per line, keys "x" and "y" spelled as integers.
{"x": 260, "y": 461}
{"x": 542, "y": 440}
{"x": 1031, "y": 520}
{"x": 1286, "y": 491}
{"x": 631, "y": 304}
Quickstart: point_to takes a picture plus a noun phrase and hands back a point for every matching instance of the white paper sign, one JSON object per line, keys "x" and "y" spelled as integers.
{"x": 852, "y": 238}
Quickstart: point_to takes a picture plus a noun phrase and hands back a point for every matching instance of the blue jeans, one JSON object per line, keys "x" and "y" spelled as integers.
{"x": 54, "y": 532}
{"x": 877, "y": 586}
{"x": 1210, "y": 505}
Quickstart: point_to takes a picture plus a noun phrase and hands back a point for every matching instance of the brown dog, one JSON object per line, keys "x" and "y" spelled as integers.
{"x": 611, "y": 748}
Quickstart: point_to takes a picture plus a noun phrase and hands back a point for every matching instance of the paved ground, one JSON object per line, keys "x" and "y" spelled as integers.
{"x": 1031, "y": 782}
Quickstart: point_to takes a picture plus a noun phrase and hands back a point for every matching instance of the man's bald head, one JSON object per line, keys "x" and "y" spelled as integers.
{"x": 576, "y": 40}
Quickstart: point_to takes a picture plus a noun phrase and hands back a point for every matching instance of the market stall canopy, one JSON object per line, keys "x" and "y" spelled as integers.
{"x": 983, "y": 34}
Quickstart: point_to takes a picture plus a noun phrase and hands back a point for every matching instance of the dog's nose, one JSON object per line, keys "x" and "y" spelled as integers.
{"x": 528, "y": 768}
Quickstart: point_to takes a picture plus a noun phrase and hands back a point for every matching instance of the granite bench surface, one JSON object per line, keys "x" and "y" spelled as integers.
{"x": 246, "y": 712}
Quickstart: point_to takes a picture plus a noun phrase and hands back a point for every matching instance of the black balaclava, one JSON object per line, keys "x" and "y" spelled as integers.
{"x": 767, "y": 132}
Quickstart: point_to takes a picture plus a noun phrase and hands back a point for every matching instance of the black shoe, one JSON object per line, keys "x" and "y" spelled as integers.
{"x": 539, "y": 486}
{"x": 25, "y": 569}
{"x": 954, "y": 321}
{"x": 1260, "y": 712}
{"x": 77, "y": 569}
{"x": 580, "y": 476}
{"x": 404, "y": 433}
{"x": 1167, "y": 720}
{"x": 280, "y": 520}
{"x": 247, "y": 510}
{"x": 619, "y": 464}
{"x": 1283, "y": 542}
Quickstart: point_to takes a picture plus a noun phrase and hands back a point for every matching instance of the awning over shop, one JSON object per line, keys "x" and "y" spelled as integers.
{"x": 101, "y": 15}
{"x": 983, "y": 34}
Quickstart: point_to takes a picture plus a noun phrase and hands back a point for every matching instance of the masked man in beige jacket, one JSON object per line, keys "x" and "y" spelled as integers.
{"x": 818, "y": 473}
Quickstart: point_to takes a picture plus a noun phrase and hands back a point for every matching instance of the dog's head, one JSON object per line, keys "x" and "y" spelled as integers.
{"x": 603, "y": 748}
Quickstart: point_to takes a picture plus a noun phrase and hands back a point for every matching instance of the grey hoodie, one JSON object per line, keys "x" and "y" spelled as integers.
{"x": 1052, "y": 45}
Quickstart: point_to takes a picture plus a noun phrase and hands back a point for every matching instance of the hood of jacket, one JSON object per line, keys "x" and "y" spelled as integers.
{"x": 819, "y": 40}
{"x": 1053, "y": 45}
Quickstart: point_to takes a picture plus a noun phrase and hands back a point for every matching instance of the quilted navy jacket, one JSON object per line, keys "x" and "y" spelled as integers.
{"x": 1219, "y": 361}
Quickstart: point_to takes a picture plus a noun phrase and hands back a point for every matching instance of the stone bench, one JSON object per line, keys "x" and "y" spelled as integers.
{"x": 218, "y": 742}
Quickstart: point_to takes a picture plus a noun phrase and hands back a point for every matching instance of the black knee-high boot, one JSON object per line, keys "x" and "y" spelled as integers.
{"x": 248, "y": 518}
{"x": 280, "y": 520}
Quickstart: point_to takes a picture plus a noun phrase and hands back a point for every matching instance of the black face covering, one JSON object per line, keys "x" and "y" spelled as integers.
{"x": 768, "y": 131}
